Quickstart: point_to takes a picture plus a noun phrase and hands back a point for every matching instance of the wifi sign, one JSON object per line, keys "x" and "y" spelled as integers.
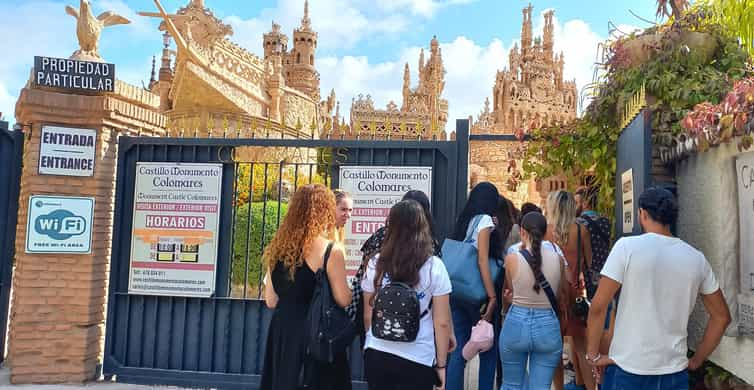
{"x": 60, "y": 225}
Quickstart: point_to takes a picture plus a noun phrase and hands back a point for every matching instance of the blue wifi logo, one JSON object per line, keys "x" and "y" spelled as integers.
{"x": 60, "y": 225}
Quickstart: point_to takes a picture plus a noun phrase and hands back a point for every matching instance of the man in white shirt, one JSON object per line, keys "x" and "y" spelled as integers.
{"x": 660, "y": 278}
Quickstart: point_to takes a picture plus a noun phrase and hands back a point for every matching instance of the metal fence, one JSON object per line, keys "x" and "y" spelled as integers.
{"x": 219, "y": 342}
{"x": 11, "y": 156}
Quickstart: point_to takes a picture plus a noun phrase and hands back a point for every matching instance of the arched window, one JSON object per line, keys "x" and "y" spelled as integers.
{"x": 311, "y": 59}
{"x": 298, "y": 58}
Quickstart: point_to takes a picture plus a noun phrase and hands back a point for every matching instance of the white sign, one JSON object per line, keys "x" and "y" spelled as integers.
{"x": 627, "y": 190}
{"x": 175, "y": 223}
{"x": 375, "y": 190}
{"x": 59, "y": 224}
{"x": 745, "y": 178}
{"x": 67, "y": 151}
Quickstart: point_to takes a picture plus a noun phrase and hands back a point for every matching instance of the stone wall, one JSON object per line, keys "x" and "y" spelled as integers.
{"x": 58, "y": 304}
{"x": 709, "y": 221}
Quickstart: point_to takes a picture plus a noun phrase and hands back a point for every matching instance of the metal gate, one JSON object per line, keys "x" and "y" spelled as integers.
{"x": 219, "y": 342}
{"x": 11, "y": 155}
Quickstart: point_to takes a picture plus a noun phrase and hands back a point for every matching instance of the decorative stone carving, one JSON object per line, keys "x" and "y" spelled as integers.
{"x": 89, "y": 28}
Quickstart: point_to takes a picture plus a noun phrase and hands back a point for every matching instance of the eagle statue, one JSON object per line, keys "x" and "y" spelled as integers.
{"x": 88, "y": 29}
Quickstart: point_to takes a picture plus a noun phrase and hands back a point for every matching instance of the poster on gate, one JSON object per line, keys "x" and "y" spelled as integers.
{"x": 745, "y": 179}
{"x": 374, "y": 190}
{"x": 175, "y": 224}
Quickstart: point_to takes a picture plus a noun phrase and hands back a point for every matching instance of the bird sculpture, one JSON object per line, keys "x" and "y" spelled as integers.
{"x": 88, "y": 29}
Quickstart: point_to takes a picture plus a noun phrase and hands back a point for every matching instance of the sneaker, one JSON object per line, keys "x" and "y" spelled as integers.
{"x": 573, "y": 386}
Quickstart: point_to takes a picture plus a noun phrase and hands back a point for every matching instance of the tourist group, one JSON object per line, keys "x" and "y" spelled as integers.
{"x": 511, "y": 286}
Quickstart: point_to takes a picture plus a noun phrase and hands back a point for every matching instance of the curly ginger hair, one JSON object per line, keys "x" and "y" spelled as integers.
{"x": 311, "y": 212}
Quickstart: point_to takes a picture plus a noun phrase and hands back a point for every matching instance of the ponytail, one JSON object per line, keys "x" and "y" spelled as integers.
{"x": 536, "y": 264}
{"x": 535, "y": 225}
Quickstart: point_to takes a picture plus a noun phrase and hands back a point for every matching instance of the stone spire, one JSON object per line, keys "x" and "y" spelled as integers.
{"x": 549, "y": 35}
{"x": 526, "y": 34}
{"x": 152, "y": 77}
{"x": 306, "y": 23}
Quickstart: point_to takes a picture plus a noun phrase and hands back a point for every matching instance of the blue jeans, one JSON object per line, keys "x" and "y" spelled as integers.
{"x": 464, "y": 317}
{"x": 530, "y": 337}
{"x": 617, "y": 379}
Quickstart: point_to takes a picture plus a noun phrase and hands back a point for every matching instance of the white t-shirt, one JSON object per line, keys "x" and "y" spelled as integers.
{"x": 433, "y": 281}
{"x": 484, "y": 222}
{"x": 661, "y": 278}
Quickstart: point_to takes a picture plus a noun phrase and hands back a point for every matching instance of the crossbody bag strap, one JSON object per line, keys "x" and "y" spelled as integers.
{"x": 580, "y": 243}
{"x": 543, "y": 283}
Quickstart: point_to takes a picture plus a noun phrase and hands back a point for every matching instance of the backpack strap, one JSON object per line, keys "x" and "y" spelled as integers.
{"x": 579, "y": 243}
{"x": 543, "y": 283}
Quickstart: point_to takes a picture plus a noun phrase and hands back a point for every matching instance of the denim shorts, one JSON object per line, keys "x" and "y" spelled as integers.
{"x": 617, "y": 379}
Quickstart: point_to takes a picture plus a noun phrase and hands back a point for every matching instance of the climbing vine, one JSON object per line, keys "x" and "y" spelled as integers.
{"x": 682, "y": 63}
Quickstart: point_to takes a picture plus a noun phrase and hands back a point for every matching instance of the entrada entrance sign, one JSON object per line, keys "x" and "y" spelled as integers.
{"x": 175, "y": 224}
{"x": 59, "y": 224}
{"x": 67, "y": 151}
{"x": 374, "y": 190}
{"x": 74, "y": 74}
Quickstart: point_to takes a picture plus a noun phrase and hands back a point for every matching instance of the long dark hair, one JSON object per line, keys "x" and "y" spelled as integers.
{"x": 483, "y": 199}
{"x": 407, "y": 245}
{"x": 535, "y": 225}
{"x": 504, "y": 226}
{"x": 422, "y": 198}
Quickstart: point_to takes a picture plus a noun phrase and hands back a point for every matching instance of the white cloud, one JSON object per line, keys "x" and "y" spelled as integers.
{"x": 341, "y": 24}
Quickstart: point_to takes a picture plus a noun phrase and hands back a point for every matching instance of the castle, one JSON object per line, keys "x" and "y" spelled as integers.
{"x": 531, "y": 91}
{"x": 210, "y": 82}
{"x": 423, "y": 112}
{"x": 212, "y": 79}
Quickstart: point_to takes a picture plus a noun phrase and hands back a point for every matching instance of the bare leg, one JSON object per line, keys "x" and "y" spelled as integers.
{"x": 583, "y": 367}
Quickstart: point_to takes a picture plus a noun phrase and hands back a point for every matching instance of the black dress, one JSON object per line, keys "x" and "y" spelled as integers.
{"x": 285, "y": 364}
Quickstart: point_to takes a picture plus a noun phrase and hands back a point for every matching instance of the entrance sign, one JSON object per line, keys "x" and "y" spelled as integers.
{"x": 59, "y": 224}
{"x": 67, "y": 151}
{"x": 374, "y": 190}
{"x": 627, "y": 189}
{"x": 745, "y": 179}
{"x": 74, "y": 74}
{"x": 175, "y": 224}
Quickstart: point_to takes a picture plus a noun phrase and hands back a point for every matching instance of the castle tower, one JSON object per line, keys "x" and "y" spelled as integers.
{"x": 275, "y": 42}
{"x": 406, "y": 86}
{"x": 526, "y": 34}
{"x": 165, "y": 76}
{"x": 300, "y": 72}
{"x": 549, "y": 35}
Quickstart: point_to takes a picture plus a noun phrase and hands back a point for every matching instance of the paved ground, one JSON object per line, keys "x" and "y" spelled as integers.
{"x": 5, "y": 384}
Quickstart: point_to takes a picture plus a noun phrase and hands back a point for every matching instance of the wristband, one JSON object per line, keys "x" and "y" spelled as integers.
{"x": 442, "y": 367}
{"x": 594, "y": 359}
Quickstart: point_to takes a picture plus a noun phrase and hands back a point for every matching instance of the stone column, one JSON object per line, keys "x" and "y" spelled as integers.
{"x": 58, "y": 304}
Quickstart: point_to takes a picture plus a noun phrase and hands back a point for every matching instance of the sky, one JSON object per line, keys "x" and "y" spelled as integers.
{"x": 363, "y": 44}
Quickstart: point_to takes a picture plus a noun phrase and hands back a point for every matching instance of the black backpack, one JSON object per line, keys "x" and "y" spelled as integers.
{"x": 600, "y": 236}
{"x": 330, "y": 329}
{"x": 396, "y": 313}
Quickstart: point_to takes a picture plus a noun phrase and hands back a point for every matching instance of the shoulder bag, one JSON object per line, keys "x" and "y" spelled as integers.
{"x": 460, "y": 258}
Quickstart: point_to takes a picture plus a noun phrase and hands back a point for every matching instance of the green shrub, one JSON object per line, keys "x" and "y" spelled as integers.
{"x": 247, "y": 240}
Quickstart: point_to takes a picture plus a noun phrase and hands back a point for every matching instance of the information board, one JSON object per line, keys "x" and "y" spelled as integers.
{"x": 745, "y": 179}
{"x": 375, "y": 189}
{"x": 175, "y": 224}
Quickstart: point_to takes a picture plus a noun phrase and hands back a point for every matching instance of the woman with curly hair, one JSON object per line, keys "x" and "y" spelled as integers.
{"x": 292, "y": 258}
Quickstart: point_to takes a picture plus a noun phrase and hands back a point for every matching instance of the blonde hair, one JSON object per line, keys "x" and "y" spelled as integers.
{"x": 561, "y": 213}
{"x": 311, "y": 213}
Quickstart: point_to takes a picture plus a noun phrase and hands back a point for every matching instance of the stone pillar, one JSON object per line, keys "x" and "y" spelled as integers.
{"x": 58, "y": 304}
